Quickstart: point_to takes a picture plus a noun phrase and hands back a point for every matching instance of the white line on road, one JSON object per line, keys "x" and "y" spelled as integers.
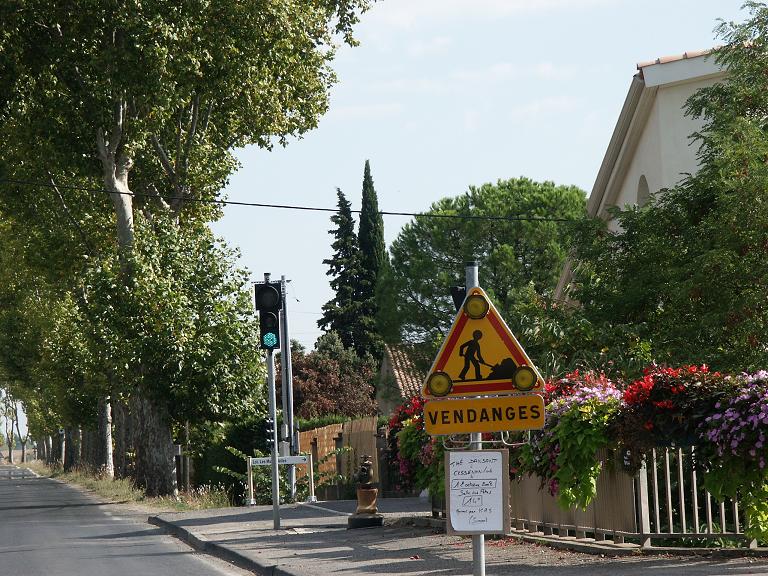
{"x": 316, "y": 507}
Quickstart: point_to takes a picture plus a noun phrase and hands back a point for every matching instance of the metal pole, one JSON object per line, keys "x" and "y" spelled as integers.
{"x": 287, "y": 383}
{"x": 251, "y": 501}
{"x": 476, "y": 443}
{"x": 311, "y": 471}
{"x": 273, "y": 415}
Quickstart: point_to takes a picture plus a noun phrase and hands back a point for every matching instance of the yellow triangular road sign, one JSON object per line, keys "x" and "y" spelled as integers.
{"x": 480, "y": 356}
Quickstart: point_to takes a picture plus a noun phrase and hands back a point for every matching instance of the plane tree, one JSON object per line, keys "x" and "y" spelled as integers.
{"x": 143, "y": 104}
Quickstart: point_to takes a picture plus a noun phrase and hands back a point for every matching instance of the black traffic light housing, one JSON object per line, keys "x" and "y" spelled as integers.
{"x": 269, "y": 302}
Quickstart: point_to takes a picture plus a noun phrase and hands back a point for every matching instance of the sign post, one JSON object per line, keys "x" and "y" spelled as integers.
{"x": 282, "y": 461}
{"x": 476, "y": 439}
{"x": 481, "y": 381}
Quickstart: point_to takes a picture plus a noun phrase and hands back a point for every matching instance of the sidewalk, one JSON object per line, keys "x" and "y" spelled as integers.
{"x": 314, "y": 541}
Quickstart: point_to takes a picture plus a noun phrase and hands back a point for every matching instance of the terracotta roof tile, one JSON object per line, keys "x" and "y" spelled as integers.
{"x": 410, "y": 364}
{"x": 675, "y": 57}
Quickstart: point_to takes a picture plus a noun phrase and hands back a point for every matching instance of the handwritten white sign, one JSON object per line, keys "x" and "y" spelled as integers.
{"x": 477, "y": 491}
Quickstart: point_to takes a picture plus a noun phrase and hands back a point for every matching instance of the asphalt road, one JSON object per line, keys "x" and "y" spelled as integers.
{"x": 50, "y": 529}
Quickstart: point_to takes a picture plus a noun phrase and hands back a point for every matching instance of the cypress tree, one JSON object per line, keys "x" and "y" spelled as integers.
{"x": 373, "y": 258}
{"x": 339, "y": 313}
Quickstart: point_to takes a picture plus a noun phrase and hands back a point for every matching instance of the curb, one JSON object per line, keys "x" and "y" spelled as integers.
{"x": 593, "y": 547}
{"x": 202, "y": 544}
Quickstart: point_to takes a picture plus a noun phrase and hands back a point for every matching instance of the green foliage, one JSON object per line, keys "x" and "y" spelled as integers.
{"x": 185, "y": 323}
{"x": 149, "y": 98}
{"x": 333, "y": 379}
{"x": 732, "y": 451}
{"x": 516, "y": 256}
{"x": 341, "y": 312}
{"x": 581, "y": 432}
{"x": 579, "y": 414}
{"x": 224, "y": 446}
{"x": 425, "y": 457}
{"x": 373, "y": 257}
{"x": 686, "y": 274}
{"x": 320, "y": 421}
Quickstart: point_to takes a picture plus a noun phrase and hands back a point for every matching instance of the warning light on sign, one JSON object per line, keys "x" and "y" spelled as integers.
{"x": 525, "y": 378}
{"x": 439, "y": 384}
{"x": 476, "y": 307}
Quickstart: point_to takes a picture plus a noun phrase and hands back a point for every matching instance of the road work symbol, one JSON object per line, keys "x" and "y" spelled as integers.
{"x": 470, "y": 350}
{"x": 480, "y": 356}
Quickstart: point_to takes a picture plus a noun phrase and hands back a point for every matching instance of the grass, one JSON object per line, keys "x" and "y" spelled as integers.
{"x": 122, "y": 490}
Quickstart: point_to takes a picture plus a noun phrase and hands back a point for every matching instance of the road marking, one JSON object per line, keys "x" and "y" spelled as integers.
{"x": 316, "y": 507}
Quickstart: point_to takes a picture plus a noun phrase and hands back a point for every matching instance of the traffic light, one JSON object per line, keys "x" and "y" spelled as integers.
{"x": 269, "y": 301}
{"x": 269, "y": 429}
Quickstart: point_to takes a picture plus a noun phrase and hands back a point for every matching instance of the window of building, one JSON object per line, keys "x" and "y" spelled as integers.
{"x": 643, "y": 193}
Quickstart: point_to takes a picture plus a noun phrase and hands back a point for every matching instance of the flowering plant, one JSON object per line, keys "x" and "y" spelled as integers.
{"x": 417, "y": 457}
{"x": 564, "y": 454}
{"x": 732, "y": 451}
{"x": 409, "y": 413}
{"x": 665, "y": 407}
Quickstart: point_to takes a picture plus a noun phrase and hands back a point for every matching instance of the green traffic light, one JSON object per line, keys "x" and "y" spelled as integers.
{"x": 269, "y": 339}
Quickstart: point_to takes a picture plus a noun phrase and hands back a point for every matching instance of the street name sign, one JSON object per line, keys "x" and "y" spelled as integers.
{"x": 267, "y": 461}
{"x": 497, "y": 414}
{"x": 480, "y": 356}
{"x": 477, "y": 491}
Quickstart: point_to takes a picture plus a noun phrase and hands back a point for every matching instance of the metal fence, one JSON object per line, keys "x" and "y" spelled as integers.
{"x": 664, "y": 502}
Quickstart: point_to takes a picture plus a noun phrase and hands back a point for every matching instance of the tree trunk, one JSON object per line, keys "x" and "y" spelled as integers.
{"x": 48, "y": 442}
{"x": 89, "y": 451}
{"x": 56, "y": 449}
{"x": 122, "y": 437}
{"x": 70, "y": 447}
{"x": 105, "y": 465}
{"x": 116, "y": 166}
{"x": 154, "y": 446}
{"x": 154, "y": 470}
{"x": 22, "y": 439}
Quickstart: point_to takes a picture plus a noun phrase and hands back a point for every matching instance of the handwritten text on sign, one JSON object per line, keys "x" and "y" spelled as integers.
{"x": 477, "y": 490}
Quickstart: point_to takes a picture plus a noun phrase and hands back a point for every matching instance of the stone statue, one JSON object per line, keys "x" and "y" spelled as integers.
{"x": 364, "y": 476}
{"x": 366, "y": 514}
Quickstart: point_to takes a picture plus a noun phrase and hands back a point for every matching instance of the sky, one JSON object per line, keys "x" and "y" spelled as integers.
{"x": 444, "y": 94}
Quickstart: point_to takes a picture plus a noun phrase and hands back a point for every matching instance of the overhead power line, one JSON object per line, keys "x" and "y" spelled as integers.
{"x": 287, "y": 206}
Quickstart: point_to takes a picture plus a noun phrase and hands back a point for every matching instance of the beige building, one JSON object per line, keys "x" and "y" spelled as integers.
{"x": 651, "y": 146}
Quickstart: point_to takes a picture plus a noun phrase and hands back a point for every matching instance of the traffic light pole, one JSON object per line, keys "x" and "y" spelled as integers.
{"x": 273, "y": 416}
{"x": 286, "y": 373}
{"x": 476, "y": 443}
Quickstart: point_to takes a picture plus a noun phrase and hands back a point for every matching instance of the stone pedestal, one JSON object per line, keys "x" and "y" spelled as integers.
{"x": 366, "y": 514}
{"x": 366, "y": 501}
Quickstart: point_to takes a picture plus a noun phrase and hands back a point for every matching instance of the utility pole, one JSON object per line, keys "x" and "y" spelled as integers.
{"x": 287, "y": 387}
{"x": 476, "y": 443}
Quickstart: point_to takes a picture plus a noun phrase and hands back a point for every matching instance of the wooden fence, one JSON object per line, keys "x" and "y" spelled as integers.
{"x": 327, "y": 445}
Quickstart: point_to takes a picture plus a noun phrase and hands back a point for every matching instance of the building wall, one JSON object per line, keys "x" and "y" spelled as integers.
{"x": 665, "y": 152}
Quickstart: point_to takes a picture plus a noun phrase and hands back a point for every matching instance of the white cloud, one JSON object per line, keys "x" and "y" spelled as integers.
{"x": 504, "y": 71}
{"x": 488, "y": 74}
{"x": 435, "y": 45}
{"x": 408, "y": 86}
{"x": 407, "y": 13}
{"x": 364, "y": 111}
{"x": 543, "y": 107}
{"x": 471, "y": 120}
{"x": 550, "y": 71}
